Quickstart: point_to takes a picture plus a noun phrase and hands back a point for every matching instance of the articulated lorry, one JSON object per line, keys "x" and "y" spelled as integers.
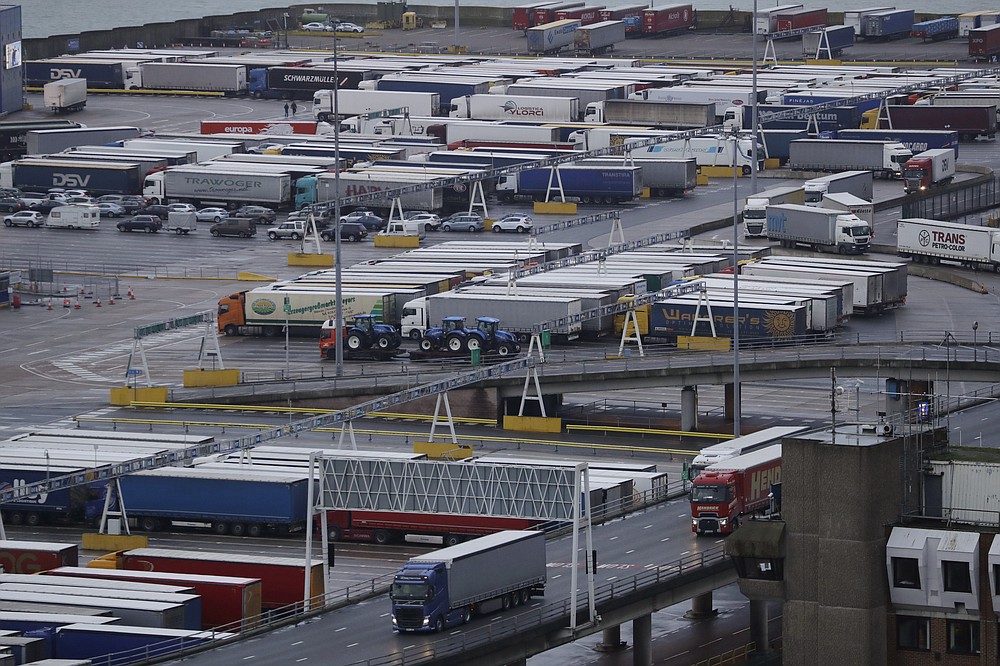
{"x": 552, "y": 37}
{"x": 97, "y": 73}
{"x": 669, "y": 115}
{"x": 32, "y": 557}
{"x": 664, "y": 176}
{"x": 931, "y": 168}
{"x": 97, "y": 177}
{"x": 971, "y": 122}
{"x": 82, "y": 503}
{"x": 883, "y": 158}
{"x": 223, "y": 184}
{"x": 448, "y": 587}
{"x": 48, "y": 141}
{"x": 65, "y": 95}
{"x": 516, "y": 107}
{"x": 819, "y": 228}
{"x": 323, "y": 188}
{"x": 933, "y": 241}
{"x": 518, "y": 314}
{"x": 917, "y": 141}
{"x": 384, "y": 527}
{"x": 265, "y": 310}
{"x": 858, "y": 183}
{"x": 755, "y": 208}
{"x": 727, "y": 491}
{"x": 209, "y": 77}
{"x": 708, "y": 151}
{"x": 357, "y": 102}
{"x": 596, "y": 38}
{"x": 723, "y": 98}
{"x": 590, "y": 184}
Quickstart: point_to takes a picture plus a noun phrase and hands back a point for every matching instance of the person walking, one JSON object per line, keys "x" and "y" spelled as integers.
{"x": 286, "y": 109}
{"x": 295, "y": 108}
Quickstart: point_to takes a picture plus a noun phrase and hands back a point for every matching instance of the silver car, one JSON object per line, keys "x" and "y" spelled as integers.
{"x": 109, "y": 209}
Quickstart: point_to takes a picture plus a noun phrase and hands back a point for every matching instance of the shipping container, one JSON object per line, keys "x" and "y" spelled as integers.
{"x": 524, "y": 15}
{"x": 801, "y": 18}
{"x": 586, "y": 15}
{"x": 984, "y": 43}
{"x": 883, "y": 26}
{"x": 547, "y": 13}
{"x": 937, "y": 29}
{"x": 828, "y": 42}
{"x": 766, "y": 19}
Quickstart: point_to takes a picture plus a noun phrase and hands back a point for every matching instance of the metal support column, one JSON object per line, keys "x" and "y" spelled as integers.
{"x": 642, "y": 641}
{"x": 347, "y": 427}
{"x": 554, "y": 174}
{"x": 209, "y": 340}
{"x": 630, "y": 333}
{"x": 448, "y": 421}
{"x": 758, "y": 624}
{"x": 532, "y": 374}
{"x": 689, "y": 408}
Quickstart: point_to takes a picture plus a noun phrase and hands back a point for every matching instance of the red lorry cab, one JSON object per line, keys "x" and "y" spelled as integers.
{"x": 727, "y": 490}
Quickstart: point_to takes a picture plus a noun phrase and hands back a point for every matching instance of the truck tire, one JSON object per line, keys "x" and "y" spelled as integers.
{"x": 427, "y": 344}
{"x": 505, "y": 602}
{"x": 455, "y": 343}
{"x": 14, "y": 517}
{"x": 238, "y": 529}
{"x": 333, "y": 533}
{"x": 452, "y": 540}
{"x": 149, "y": 524}
{"x": 32, "y": 519}
{"x": 384, "y": 341}
{"x": 439, "y": 624}
{"x": 231, "y": 330}
{"x": 472, "y": 342}
{"x": 381, "y": 537}
{"x": 271, "y": 331}
{"x": 220, "y": 527}
{"x": 331, "y": 353}
{"x": 503, "y": 349}
{"x": 466, "y": 615}
{"x": 255, "y": 530}
{"x": 525, "y": 596}
{"x": 414, "y": 334}
{"x": 355, "y": 342}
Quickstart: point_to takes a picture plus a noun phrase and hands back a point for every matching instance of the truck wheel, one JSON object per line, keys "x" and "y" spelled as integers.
{"x": 525, "y": 596}
{"x": 452, "y": 540}
{"x": 426, "y": 344}
{"x": 381, "y": 537}
{"x": 270, "y": 331}
{"x": 503, "y": 349}
{"x": 238, "y": 529}
{"x": 355, "y": 342}
{"x": 333, "y": 534}
{"x": 32, "y": 519}
{"x": 455, "y": 343}
{"x": 230, "y": 330}
{"x": 148, "y": 524}
{"x": 466, "y": 615}
{"x": 384, "y": 341}
{"x": 15, "y": 518}
{"x": 220, "y": 528}
{"x": 439, "y": 624}
{"x": 505, "y": 602}
{"x": 414, "y": 334}
{"x": 331, "y": 353}
{"x": 515, "y": 599}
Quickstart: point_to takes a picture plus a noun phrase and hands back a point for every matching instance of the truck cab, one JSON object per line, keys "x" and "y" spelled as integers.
{"x": 755, "y": 218}
{"x": 419, "y": 595}
{"x": 712, "y": 495}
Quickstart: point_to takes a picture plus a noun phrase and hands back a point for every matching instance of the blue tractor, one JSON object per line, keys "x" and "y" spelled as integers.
{"x": 452, "y": 336}
{"x": 364, "y": 336}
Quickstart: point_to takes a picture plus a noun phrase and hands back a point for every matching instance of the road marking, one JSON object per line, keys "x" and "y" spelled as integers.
{"x": 629, "y": 552}
{"x": 353, "y": 645}
{"x": 612, "y": 538}
{"x": 647, "y": 527}
{"x": 341, "y": 629}
{"x": 298, "y": 642}
{"x": 37, "y": 352}
{"x": 4, "y": 351}
{"x": 302, "y": 659}
{"x": 710, "y": 642}
{"x": 40, "y": 342}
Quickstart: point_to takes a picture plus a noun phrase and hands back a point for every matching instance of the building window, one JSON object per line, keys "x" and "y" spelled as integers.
{"x": 963, "y": 637}
{"x": 905, "y": 572}
{"x": 913, "y": 633}
{"x": 956, "y": 576}
{"x": 996, "y": 579}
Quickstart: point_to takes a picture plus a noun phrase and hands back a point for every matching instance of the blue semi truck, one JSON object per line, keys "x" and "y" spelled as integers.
{"x": 590, "y": 184}
{"x": 916, "y": 140}
{"x": 671, "y": 318}
{"x": 449, "y": 586}
{"x": 83, "y": 503}
{"x": 97, "y": 177}
{"x": 99, "y": 74}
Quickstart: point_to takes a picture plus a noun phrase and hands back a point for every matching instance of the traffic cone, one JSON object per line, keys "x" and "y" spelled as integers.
{"x": 77, "y": 306}
{"x": 50, "y": 305}
{"x": 98, "y": 302}
{"x": 65, "y": 303}
{"x": 111, "y": 299}
{"x": 131, "y": 294}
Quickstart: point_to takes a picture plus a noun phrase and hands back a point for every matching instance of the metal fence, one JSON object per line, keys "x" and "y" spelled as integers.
{"x": 951, "y": 205}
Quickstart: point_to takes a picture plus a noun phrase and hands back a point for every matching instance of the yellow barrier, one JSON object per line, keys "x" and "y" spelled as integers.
{"x": 253, "y": 277}
{"x": 554, "y": 208}
{"x": 702, "y": 343}
{"x": 397, "y": 241}
{"x": 320, "y": 260}
{"x": 198, "y": 377}
{"x": 645, "y": 193}
{"x": 108, "y": 561}
{"x": 772, "y": 163}
{"x": 824, "y": 63}
{"x": 114, "y": 542}
{"x": 443, "y": 450}
{"x": 123, "y": 396}
{"x": 701, "y": 179}
{"x": 532, "y": 423}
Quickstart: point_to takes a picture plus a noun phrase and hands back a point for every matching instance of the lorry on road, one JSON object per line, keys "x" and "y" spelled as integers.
{"x": 971, "y": 122}
{"x": 724, "y": 492}
{"x": 670, "y": 115}
{"x": 322, "y": 189}
{"x": 933, "y": 241}
{"x": 223, "y": 184}
{"x": 366, "y": 339}
{"x": 519, "y": 315}
{"x": 763, "y": 322}
{"x": 65, "y": 95}
{"x": 858, "y": 183}
{"x": 31, "y": 557}
{"x": 357, "y": 102}
{"x": 448, "y": 587}
{"x": 97, "y": 73}
{"x": 664, "y": 176}
{"x": 596, "y": 38}
{"x": 590, "y": 184}
{"x": 384, "y": 527}
{"x": 238, "y": 502}
{"x": 916, "y": 141}
{"x": 550, "y": 38}
{"x": 209, "y": 77}
{"x": 517, "y": 107}
{"x": 931, "y": 168}
{"x": 264, "y": 311}
{"x": 33, "y": 174}
{"x": 849, "y": 203}
{"x": 820, "y": 228}
{"x": 826, "y": 120}
{"x": 755, "y": 208}
{"x": 885, "y": 159}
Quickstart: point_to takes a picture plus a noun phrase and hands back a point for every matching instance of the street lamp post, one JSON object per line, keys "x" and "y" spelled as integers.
{"x": 975, "y": 327}
{"x": 338, "y": 290}
{"x": 753, "y": 112}
{"x": 284, "y": 18}
{"x": 736, "y": 286}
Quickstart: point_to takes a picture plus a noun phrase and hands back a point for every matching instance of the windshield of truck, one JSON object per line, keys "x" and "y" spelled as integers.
{"x": 411, "y": 591}
{"x": 701, "y": 493}
{"x": 754, "y": 214}
{"x": 861, "y": 231}
{"x": 813, "y": 197}
{"x": 913, "y": 174}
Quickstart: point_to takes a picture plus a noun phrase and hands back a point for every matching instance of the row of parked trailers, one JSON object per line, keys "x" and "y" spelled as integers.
{"x": 638, "y": 19}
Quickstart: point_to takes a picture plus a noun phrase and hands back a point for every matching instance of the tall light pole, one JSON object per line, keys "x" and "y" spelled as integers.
{"x": 338, "y": 290}
{"x": 753, "y": 112}
{"x": 736, "y": 284}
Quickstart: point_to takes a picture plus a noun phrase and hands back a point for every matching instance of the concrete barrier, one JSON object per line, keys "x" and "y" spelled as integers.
{"x": 315, "y": 260}
{"x": 198, "y": 378}
{"x": 532, "y": 423}
{"x": 114, "y": 542}
{"x": 554, "y": 208}
{"x": 123, "y": 396}
{"x": 443, "y": 450}
{"x": 397, "y": 241}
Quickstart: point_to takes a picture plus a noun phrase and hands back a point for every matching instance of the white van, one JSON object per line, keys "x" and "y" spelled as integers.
{"x": 74, "y": 217}
{"x": 404, "y": 228}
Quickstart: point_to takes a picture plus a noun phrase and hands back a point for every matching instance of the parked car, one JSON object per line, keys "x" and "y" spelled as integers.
{"x": 150, "y": 223}
{"x": 323, "y": 217}
{"x": 32, "y": 199}
{"x": 371, "y": 221}
{"x": 211, "y": 214}
{"x": 349, "y": 27}
{"x": 181, "y": 208}
{"x": 241, "y": 227}
{"x": 463, "y": 222}
{"x": 25, "y": 218}
{"x": 258, "y": 214}
{"x": 430, "y": 221}
{"x": 514, "y": 222}
{"x": 11, "y": 205}
{"x": 350, "y": 231}
{"x": 316, "y": 26}
{"x": 109, "y": 209}
{"x": 159, "y": 210}
{"x": 294, "y": 230}
{"x": 133, "y": 203}
{"x": 80, "y": 201}
{"x": 66, "y": 194}
{"x": 110, "y": 198}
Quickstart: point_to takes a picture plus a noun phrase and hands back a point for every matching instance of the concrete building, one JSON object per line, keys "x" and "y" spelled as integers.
{"x": 11, "y": 74}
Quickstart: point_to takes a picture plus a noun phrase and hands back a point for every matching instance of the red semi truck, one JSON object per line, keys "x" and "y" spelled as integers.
{"x": 727, "y": 490}
{"x": 928, "y": 169}
{"x": 385, "y": 526}
{"x": 665, "y": 20}
{"x": 259, "y": 127}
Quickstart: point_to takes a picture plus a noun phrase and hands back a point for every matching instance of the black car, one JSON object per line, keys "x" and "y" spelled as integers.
{"x": 150, "y": 223}
{"x": 132, "y": 203}
{"x": 159, "y": 210}
{"x": 351, "y": 231}
{"x": 258, "y": 214}
{"x": 10, "y": 205}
